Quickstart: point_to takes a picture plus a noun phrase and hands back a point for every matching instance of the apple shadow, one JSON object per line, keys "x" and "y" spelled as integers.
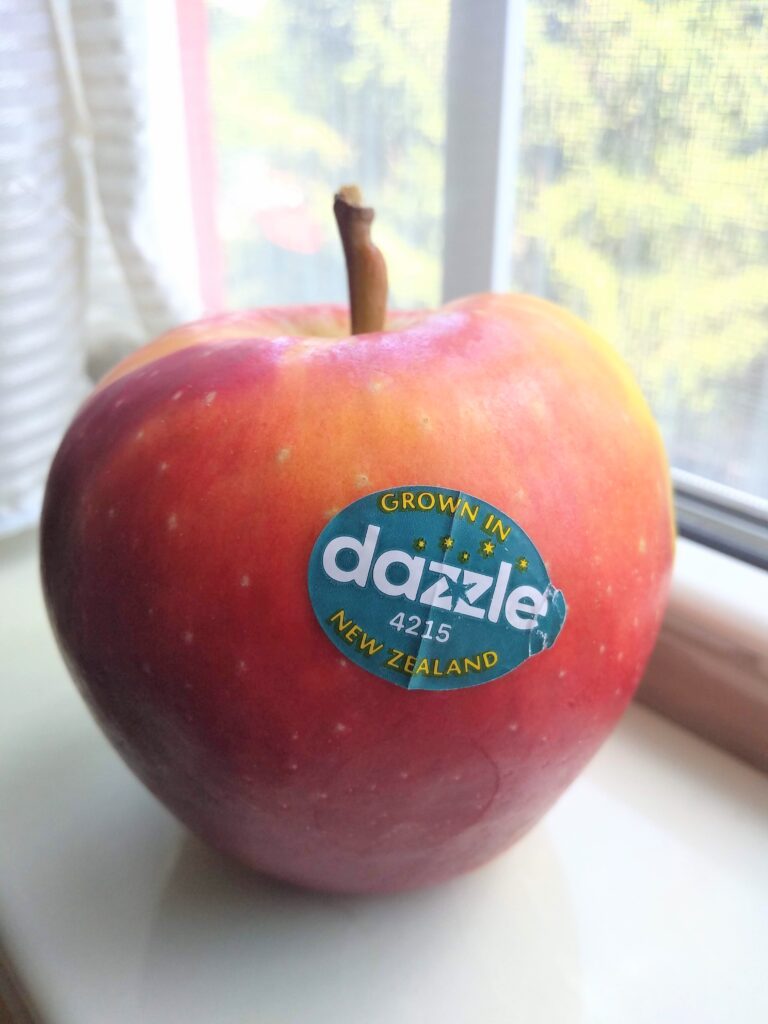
{"x": 231, "y": 946}
{"x": 19, "y": 547}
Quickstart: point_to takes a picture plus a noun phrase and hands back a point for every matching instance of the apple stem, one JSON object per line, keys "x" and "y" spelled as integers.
{"x": 366, "y": 268}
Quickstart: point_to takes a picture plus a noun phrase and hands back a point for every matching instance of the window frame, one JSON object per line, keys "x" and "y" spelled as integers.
{"x": 720, "y": 517}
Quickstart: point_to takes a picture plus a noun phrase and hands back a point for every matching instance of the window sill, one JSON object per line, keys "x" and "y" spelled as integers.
{"x": 108, "y": 909}
{"x": 709, "y": 670}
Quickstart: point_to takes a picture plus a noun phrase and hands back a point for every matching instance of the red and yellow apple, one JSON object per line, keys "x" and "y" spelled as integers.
{"x": 180, "y": 514}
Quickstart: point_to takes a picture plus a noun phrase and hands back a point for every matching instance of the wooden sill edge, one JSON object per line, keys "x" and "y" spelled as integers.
{"x": 15, "y": 1004}
{"x": 709, "y": 671}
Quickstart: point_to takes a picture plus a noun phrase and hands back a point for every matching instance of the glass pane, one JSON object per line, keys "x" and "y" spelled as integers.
{"x": 643, "y": 206}
{"x": 311, "y": 95}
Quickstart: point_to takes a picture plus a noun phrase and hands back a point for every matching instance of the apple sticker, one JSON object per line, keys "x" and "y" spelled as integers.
{"x": 432, "y": 589}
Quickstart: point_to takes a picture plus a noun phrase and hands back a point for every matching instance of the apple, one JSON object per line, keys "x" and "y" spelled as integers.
{"x": 229, "y": 489}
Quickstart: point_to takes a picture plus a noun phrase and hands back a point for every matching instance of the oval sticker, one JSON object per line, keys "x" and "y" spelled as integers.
{"x": 432, "y": 589}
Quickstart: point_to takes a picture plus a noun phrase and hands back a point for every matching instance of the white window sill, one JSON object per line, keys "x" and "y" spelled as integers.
{"x": 642, "y": 896}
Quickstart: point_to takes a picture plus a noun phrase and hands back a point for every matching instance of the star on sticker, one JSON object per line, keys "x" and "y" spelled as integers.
{"x": 521, "y": 564}
{"x": 487, "y": 548}
{"x": 419, "y": 544}
{"x": 446, "y": 543}
{"x": 464, "y": 556}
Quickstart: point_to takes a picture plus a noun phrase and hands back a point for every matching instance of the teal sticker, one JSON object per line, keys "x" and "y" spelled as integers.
{"x": 432, "y": 589}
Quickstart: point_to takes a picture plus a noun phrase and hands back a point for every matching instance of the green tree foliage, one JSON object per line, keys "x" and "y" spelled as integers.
{"x": 643, "y": 203}
{"x": 324, "y": 93}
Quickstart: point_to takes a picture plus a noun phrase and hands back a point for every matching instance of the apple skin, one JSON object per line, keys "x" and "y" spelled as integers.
{"x": 179, "y": 518}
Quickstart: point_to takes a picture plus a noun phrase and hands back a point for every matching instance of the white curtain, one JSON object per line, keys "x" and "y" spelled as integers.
{"x": 84, "y": 274}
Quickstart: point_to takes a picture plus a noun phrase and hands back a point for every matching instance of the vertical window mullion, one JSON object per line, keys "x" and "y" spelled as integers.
{"x": 484, "y": 105}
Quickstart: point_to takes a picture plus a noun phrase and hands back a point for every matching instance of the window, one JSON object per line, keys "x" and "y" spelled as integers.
{"x": 643, "y": 206}
{"x": 308, "y": 95}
